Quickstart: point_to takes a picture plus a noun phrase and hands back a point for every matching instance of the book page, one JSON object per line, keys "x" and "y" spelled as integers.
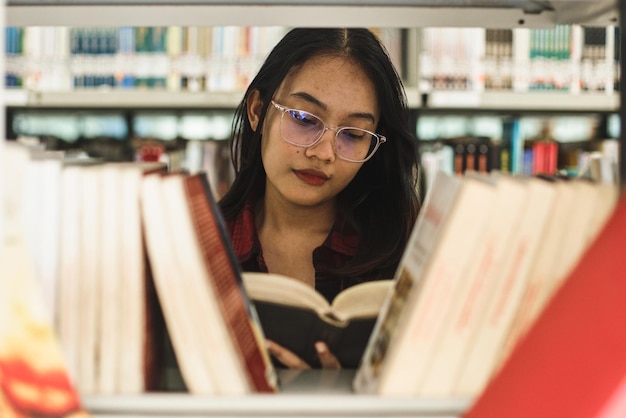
{"x": 285, "y": 290}
{"x": 361, "y": 300}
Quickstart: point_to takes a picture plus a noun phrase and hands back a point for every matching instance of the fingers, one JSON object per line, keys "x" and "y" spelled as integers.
{"x": 292, "y": 361}
{"x": 285, "y": 356}
{"x": 327, "y": 359}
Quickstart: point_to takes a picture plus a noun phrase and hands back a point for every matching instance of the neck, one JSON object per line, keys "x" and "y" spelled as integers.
{"x": 284, "y": 217}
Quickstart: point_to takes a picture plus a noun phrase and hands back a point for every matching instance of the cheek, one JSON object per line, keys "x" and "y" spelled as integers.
{"x": 275, "y": 153}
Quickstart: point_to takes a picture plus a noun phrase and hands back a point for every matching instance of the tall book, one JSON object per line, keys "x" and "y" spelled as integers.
{"x": 141, "y": 326}
{"x": 223, "y": 267}
{"x": 69, "y": 271}
{"x": 580, "y": 210}
{"x": 474, "y": 292}
{"x": 571, "y": 362}
{"x": 34, "y": 380}
{"x": 593, "y": 62}
{"x": 403, "y": 341}
{"x": 40, "y": 215}
{"x": 498, "y": 59}
{"x": 89, "y": 284}
{"x": 170, "y": 287}
{"x": 128, "y": 331}
{"x": 112, "y": 347}
{"x": 507, "y": 290}
{"x": 228, "y": 375}
{"x": 229, "y": 348}
{"x": 542, "y": 267}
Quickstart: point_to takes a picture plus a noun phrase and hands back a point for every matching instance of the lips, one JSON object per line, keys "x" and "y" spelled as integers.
{"x": 312, "y": 177}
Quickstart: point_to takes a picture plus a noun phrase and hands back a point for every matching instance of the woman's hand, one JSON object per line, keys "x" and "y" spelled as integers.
{"x": 292, "y": 361}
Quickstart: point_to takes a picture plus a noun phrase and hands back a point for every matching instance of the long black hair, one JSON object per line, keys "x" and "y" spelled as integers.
{"x": 381, "y": 202}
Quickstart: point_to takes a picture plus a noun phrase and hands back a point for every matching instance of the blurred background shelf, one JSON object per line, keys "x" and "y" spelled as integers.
{"x": 154, "y": 98}
{"x": 115, "y": 98}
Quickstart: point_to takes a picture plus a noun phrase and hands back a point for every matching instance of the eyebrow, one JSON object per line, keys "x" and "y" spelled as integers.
{"x": 307, "y": 97}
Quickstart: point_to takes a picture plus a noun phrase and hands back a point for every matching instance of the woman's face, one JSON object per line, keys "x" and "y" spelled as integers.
{"x": 337, "y": 91}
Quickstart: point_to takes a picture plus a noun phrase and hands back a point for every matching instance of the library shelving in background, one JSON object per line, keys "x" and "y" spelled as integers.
{"x": 487, "y": 90}
{"x": 526, "y": 61}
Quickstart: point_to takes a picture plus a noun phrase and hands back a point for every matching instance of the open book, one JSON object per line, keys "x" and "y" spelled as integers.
{"x": 295, "y": 316}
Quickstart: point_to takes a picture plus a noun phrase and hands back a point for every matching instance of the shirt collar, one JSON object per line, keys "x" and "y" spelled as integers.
{"x": 342, "y": 237}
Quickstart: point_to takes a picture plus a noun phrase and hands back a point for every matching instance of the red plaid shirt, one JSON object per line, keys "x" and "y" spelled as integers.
{"x": 338, "y": 248}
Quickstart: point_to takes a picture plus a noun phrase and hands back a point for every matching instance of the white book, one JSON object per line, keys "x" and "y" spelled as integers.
{"x": 134, "y": 374}
{"x": 90, "y": 279}
{"x": 475, "y": 289}
{"x": 221, "y": 358}
{"x": 543, "y": 266}
{"x": 608, "y": 196}
{"x": 402, "y": 342}
{"x": 109, "y": 319}
{"x": 170, "y": 290}
{"x": 508, "y": 290}
{"x": 67, "y": 321}
{"x": 40, "y": 218}
{"x": 587, "y": 211}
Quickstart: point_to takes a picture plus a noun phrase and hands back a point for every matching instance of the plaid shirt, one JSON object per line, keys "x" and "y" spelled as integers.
{"x": 338, "y": 248}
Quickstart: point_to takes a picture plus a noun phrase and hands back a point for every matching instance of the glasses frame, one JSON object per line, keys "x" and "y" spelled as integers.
{"x": 380, "y": 139}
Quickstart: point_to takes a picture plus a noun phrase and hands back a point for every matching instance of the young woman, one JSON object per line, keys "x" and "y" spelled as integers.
{"x": 326, "y": 166}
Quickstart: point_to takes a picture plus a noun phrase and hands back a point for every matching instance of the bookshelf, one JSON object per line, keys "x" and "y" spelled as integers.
{"x": 298, "y": 399}
{"x": 141, "y": 99}
{"x": 398, "y": 13}
{"x": 446, "y": 70}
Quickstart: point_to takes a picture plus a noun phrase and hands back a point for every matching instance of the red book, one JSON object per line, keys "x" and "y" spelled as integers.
{"x": 552, "y": 152}
{"x": 539, "y": 157}
{"x": 572, "y": 362}
{"x": 238, "y": 311}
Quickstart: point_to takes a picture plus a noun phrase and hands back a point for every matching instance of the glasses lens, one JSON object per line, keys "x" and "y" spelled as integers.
{"x": 355, "y": 144}
{"x": 300, "y": 127}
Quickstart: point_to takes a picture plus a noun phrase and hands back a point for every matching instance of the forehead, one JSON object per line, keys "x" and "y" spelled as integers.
{"x": 337, "y": 81}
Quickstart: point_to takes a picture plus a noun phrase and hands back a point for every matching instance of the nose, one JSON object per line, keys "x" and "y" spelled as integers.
{"x": 324, "y": 148}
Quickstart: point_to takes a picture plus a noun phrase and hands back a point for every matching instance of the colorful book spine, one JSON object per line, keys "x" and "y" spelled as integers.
{"x": 14, "y": 49}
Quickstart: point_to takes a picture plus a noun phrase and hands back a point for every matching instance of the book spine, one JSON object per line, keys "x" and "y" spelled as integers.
{"x": 234, "y": 304}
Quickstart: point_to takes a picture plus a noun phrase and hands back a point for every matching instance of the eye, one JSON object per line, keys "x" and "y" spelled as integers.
{"x": 355, "y": 135}
{"x": 303, "y": 118}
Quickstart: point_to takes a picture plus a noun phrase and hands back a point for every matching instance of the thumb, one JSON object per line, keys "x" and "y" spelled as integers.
{"x": 327, "y": 359}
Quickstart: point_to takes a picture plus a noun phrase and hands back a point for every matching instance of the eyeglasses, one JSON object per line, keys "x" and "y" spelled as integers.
{"x": 303, "y": 129}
